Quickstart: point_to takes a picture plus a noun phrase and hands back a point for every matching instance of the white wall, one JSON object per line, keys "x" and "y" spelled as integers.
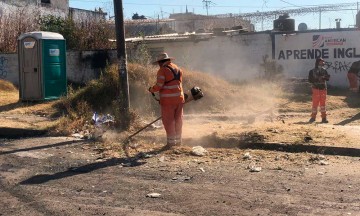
{"x": 294, "y": 52}
{"x": 239, "y": 57}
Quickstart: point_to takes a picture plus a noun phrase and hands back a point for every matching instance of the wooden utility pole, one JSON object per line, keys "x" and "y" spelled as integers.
{"x": 124, "y": 101}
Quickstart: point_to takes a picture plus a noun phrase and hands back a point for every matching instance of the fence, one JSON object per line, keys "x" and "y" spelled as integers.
{"x": 316, "y": 17}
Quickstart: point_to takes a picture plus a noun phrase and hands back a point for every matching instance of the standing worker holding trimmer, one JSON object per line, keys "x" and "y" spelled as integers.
{"x": 318, "y": 77}
{"x": 172, "y": 99}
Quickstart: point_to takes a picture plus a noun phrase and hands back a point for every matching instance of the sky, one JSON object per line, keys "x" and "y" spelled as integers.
{"x": 162, "y": 9}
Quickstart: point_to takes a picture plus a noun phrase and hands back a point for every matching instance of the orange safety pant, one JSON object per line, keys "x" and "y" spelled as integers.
{"x": 318, "y": 98}
{"x": 172, "y": 118}
{"x": 353, "y": 81}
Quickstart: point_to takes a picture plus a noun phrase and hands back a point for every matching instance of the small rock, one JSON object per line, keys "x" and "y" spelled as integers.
{"x": 255, "y": 169}
{"x": 153, "y": 195}
{"x": 77, "y": 135}
{"x": 198, "y": 151}
{"x": 322, "y": 162}
{"x": 162, "y": 159}
{"x": 202, "y": 169}
{"x": 247, "y": 156}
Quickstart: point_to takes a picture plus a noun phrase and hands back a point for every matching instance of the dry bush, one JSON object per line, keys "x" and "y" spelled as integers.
{"x": 7, "y": 86}
{"x": 87, "y": 35}
{"x": 14, "y": 24}
{"x": 9, "y": 94}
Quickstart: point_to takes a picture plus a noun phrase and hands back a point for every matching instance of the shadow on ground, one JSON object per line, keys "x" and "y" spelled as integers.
{"x": 42, "y": 147}
{"x": 256, "y": 141}
{"x": 72, "y": 171}
{"x": 18, "y": 133}
{"x": 347, "y": 121}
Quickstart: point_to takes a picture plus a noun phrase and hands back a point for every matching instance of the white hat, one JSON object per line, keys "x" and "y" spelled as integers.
{"x": 163, "y": 56}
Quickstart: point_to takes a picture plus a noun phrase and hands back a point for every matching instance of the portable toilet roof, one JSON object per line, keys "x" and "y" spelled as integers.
{"x": 41, "y": 35}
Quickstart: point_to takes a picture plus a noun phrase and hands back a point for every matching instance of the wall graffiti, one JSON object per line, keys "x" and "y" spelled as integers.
{"x": 3, "y": 67}
{"x": 338, "y": 66}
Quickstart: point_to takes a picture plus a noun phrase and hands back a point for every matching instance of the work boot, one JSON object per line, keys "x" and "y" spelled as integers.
{"x": 312, "y": 120}
{"x": 168, "y": 146}
{"x": 324, "y": 120}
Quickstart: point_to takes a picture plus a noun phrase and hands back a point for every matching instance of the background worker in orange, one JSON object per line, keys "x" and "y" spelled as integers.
{"x": 169, "y": 86}
{"x": 318, "y": 77}
{"x": 353, "y": 76}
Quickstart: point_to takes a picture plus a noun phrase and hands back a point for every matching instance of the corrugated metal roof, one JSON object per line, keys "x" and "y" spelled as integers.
{"x": 174, "y": 36}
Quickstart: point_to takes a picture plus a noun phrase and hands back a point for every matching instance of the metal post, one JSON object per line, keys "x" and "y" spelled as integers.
{"x": 319, "y": 18}
{"x": 121, "y": 55}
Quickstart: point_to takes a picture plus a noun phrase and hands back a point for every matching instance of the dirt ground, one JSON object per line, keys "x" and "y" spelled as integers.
{"x": 265, "y": 162}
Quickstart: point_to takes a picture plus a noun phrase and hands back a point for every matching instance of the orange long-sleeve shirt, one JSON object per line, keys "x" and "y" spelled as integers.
{"x": 171, "y": 91}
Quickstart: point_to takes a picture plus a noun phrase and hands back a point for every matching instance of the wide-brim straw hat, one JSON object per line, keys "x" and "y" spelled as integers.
{"x": 163, "y": 56}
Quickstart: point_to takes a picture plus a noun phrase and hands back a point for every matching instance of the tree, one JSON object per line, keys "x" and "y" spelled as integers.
{"x": 136, "y": 16}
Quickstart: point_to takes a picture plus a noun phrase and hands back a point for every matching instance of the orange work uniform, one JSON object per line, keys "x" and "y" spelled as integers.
{"x": 318, "y": 78}
{"x": 169, "y": 86}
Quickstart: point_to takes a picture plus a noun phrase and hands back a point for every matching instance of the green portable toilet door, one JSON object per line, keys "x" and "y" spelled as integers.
{"x": 31, "y": 76}
{"x": 54, "y": 68}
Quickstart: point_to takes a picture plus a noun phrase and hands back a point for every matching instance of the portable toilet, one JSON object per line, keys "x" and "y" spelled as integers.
{"x": 42, "y": 66}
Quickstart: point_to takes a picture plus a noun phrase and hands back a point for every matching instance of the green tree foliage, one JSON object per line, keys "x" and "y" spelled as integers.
{"x": 80, "y": 36}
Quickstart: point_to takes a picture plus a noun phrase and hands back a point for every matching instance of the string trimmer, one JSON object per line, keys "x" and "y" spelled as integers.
{"x": 195, "y": 93}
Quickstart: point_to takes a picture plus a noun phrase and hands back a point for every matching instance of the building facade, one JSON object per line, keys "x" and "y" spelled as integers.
{"x": 51, "y": 7}
{"x": 42, "y": 7}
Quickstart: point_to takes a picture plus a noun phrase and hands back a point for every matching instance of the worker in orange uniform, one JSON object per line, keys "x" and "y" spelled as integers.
{"x": 353, "y": 76}
{"x": 172, "y": 99}
{"x": 318, "y": 77}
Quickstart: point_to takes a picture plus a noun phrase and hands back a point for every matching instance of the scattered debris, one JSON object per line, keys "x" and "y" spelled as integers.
{"x": 317, "y": 158}
{"x": 272, "y": 130}
{"x": 100, "y": 119}
{"x": 202, "y": 169}
{"x": 181, "y": 178}
{"x": 252, "y": 137}
{"x": 144, "y": 155}
{"x": 308, "y": 139}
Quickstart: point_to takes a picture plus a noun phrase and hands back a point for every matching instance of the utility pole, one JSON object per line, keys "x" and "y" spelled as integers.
{"x": 124, "y": 101}
{"x": 207, "y": 5}
{"x": 320, "y": 19}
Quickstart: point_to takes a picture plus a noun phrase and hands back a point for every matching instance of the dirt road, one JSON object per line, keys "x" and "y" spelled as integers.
{"x": 265, "y": 162}
{"x": 67, "y": 176}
